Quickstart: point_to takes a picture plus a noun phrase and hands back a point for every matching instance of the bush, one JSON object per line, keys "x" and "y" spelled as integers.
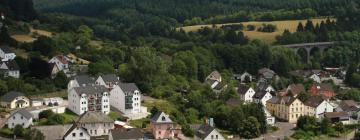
{"x": 186, "y": 130}
{"x": 56, "y": 119}
{"x": 18, "y": 130}
{"x": 267, "y": 28}
{"x": 45, "y": 114}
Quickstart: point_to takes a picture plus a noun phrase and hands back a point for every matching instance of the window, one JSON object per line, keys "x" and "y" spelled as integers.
{"x": 104, "y": 131}
{"x": 212, "y": 136}
{"x": 90, "y": 131}
{"x": 163, "y": 118}
{"x": 217, "y": 136}
{"x": 74, "y": 134}
{"x": 23, "y": 124}
{"x": 95, "y": 132}
{"x": 14, "y": 117}
{"x": 159, "y": 132}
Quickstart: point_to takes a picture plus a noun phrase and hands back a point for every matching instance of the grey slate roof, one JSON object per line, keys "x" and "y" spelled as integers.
{"x": 204, "y": 131}
{"x": 10, "y": 96}
{"x": 110, "y": 78}
{"x": 314, "y": 101}
{"x": 259, "y": 94}
{"x": 128, "y": 87}
{"x": 24, "y": 113}
{"x": 71, "y": 129}
{"x": 157, "y": 116}
{"x": 5, "y": 49}
{"x": 53, "y": 132}
{"x": 131, "y": 133}
{"x": 242, "y": 88}
{"x": 349, "y": 105}
{"x": 90, "y": 90}
{"x": 85, "y": 79}
{"x": 94, "y": 117}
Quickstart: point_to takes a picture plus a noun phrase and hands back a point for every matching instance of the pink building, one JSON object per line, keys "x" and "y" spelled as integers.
{"x": 162, "y": 126}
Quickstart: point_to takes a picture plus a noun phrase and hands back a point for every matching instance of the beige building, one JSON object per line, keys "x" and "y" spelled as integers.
{"x": 286, "y": 108}
{"x": 14, "y": 100}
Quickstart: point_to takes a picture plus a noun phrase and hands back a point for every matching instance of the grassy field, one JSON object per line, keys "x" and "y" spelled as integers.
{"x": 31, "y": 37}
{"x": 266, "y": 37}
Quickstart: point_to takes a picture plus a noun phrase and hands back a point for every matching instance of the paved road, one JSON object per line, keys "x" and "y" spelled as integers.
{"x": 285, "y": 130}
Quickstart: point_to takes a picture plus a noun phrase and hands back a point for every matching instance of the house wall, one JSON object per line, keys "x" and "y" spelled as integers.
{"x": 26, "y": 104}
{"x": 247, "y": 97}
{"x": 16, "y": 119}
{"x": 136, "y": 102}
{"x": 74, "y": 102}
{"x": 77, "y": 132}
{"x": 105, "y": 103}
{"x": 296, "y": 109}
{"x": 162, "y": 131}
{"x": 214, "y": 135}
{"x": 117, "y": 98}
{"x": 323, "y": 107}
{"x": 267, "y": 97}
{"x": 98, "y": 129}
{"x": 315, "y": 78}
{"x": 7, "y": 56}
{"x": 61, "y": 66}
{"x": 14, "y": 73}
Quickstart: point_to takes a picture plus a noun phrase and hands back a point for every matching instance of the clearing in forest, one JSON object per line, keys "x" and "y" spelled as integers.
{"x": 269, "y": 38}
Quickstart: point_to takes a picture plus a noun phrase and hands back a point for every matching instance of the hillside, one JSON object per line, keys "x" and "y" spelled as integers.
{"x": 290, "y": 25}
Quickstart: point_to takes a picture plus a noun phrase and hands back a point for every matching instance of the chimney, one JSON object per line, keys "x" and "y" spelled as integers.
{"x": 211, "y": 122}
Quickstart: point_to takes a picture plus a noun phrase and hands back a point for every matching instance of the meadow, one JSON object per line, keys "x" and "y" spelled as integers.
{"x": 269, "y": 38}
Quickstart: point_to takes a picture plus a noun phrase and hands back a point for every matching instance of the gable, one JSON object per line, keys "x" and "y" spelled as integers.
{"x": 213, "y": 135}
{"x": 161, "y": 117}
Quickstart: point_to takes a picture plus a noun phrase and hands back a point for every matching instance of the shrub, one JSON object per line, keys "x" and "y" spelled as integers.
{"x": 56, "y": 119}
{"x": 45, "y": 114}
{"x": 186, "y": 130}
{"x": 18, "y": 130}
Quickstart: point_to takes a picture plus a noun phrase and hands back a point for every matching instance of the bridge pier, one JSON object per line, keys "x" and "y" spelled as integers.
{"x": 309, "y": 46}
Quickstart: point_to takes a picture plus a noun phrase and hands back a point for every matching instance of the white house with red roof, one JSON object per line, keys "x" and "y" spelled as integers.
{"x": 61, "y": 62}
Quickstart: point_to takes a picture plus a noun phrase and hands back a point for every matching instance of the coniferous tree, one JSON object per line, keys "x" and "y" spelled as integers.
{"x": 300, "y": 27}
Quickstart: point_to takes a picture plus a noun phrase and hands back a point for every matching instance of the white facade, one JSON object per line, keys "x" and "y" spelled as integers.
{"x": 270, "y": 120}
{"x": 244, "y": 75}
{"x": 19, "y": 119}
{"x": 13, "y": 73}
{"x": 265, "y": 98}
{"x": 325, "y": 106}
{"x": 118, "y": 100}
{"x": 79, "y": 103}
{"x": 63, "y": 66}
{"x": 214, "y": 135}
{"x": 6, "y": 56}
{"x": 77, "y": 133}
{"x": 248, "y": 96}
{"x": 315, "y": 78}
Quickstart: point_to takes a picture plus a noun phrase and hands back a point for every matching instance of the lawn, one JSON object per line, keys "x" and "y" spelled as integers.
{"x": 32, "y": 36}
{"x": 70, "y": 117}
{"x": 138, "y": 123}
{"x": 269, "y": 38}
{"x": 61, "y": 93}
{"x": 162, "y": 105}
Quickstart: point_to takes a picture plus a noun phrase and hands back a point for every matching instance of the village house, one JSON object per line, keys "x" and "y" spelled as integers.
{"x": 293, "y": 89}
{"x": 126, "y": 97}
{"x": 81, "y": 80}
{"x": 262, "y": 97}
{"x": 61, "y": 62}
{"x": 6, "y": 54}
{"x": 126, "y": 134}
{"x": 214, "y": 80}
{"x": 246, "y": 93}
{"x": 20, "y": 117}
{"x": 266, "y": 73}
{"x": 324, "y": 89}
{"x": 89, "y": 99}
{"x": 307, "y": 74}
{"x": 207, "y": 132}
{"x": 10, "y": 69}
{"x": 108, "y": 80}
{"x": 286, "y": 108}
{"x": 14, "y": 99}
{"x": 244, "y": 77}
{"x": 270, "y": 119}
{"x": 163, "y": 127}
{"x": 335, "y": 117}
{"x": 55, "y": 132}
{"x": 351, "y": 107}
{"x": 316, "y": 106}
{"x": 93, "y": 124}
